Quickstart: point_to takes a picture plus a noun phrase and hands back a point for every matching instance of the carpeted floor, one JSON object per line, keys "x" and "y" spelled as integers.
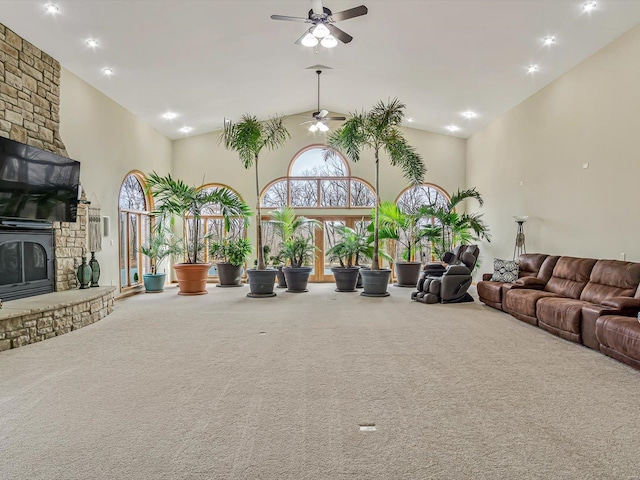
{"x": 225, "y": 387}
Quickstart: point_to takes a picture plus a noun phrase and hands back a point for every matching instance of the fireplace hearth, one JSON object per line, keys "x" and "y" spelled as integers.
{"x": 26, "y": 260}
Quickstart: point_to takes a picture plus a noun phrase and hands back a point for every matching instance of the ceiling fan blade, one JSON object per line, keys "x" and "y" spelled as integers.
{"x": 309, "y": 121}
{"x": 290, "y": 19}
{"x": 351, "y": 13}
{"x": 344, "y": 37}
{"x": 322, "y": 114}
{"x": 335, "y": 118}
{"x": 316, "y": 6}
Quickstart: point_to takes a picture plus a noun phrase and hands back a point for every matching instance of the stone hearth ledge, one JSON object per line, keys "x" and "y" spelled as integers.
{"x": 38, "y": 318}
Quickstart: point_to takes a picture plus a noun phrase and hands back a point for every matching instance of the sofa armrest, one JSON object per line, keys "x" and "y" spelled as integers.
{"x": 626, "y": 305}
{"x": 534, "y": 283}
{"x": 486, "y": 277}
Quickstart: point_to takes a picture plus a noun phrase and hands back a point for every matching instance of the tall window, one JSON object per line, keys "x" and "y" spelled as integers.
{"x": 212, "y": 228}
{"x": 411, "y": 199}
{"x": 315, "y": 183}
{"x": 135, "y": 225}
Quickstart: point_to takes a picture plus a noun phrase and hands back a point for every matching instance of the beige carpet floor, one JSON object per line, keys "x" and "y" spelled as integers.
{"x": 225, "y": 387}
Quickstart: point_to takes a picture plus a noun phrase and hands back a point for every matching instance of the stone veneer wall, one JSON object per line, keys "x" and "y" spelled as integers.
{"x": 58, "y": 313}
{"x": 30, "y": 113}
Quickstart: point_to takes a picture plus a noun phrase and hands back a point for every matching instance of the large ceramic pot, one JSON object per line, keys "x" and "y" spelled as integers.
{"x": 297, "y": 278}
{"x": 154, "y": 282}
{"x": 261, "y": 283}
{"x": 375, "y": 282}
{"x": 407, "y": 274}
{"x": 229, "y": 275}
{"x": 346, "y": 278}
{"x": 192, "y": 278}
{"x": 282, "y": 281}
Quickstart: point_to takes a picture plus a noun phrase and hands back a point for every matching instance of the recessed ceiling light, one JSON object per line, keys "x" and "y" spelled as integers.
{"x": 533, "y": 68}
{"x": 469, "y": 115}
{"x": 589, "y": 6}
{"x": 92, "y": 42}
{"x": 51, "y": 8}
{"x": 410, "y": 120}
{"x": 550, "y": 40}
{"x": 108, "y": 71}
{"x": 186, "y": 130}
{"x": 453, "y": 128}
{"x": 169, "y": 115}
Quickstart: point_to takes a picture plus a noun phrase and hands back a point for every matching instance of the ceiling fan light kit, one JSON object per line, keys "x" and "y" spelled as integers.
{"x": 320, "y": 118}
{"x": 323, "y": 31}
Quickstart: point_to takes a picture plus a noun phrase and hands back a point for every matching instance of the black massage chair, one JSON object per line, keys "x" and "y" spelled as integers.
{"x": 448, "y": 283}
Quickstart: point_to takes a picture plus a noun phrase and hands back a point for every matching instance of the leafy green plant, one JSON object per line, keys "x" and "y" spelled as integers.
{"x": 452, "y": 228}
{"x": 177, "y": 199}
{"x": 236, "y": 252}
{"x": 300, "y": 251}
{"x": 294, "y": 245}
{"x": 162, "y": 244}
{"x": 378, "y": 129}
{"x": 407, "y": 229}
{"x": 351, "y": 248}
{"x": 248, "y": 138}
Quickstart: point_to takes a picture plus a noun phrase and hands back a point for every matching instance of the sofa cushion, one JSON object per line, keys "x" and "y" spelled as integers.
{"x": 530, "y": 264}
{"x": 570, "y": 276}
{"x": 611, "y": 278}
{"x": 561, "y": 313}
{"x": 621, "y": 334}
{"x": 546, "y": 270}
{"x": 523, "y": 300}
{"x": 504, "y": 271}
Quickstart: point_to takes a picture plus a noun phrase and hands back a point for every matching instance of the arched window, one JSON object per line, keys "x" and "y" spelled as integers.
{"x": 134, "y": 207}
{"x": 410, "y": 200}
{"x": 315, "y": 183}
{"x": 212, "y": 228}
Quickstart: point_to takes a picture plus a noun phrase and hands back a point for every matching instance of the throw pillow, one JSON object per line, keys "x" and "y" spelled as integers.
{"x": 505, "y": 271}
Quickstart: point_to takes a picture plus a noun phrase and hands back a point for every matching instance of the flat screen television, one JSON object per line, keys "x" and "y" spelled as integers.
{"x": 36, "y": 184}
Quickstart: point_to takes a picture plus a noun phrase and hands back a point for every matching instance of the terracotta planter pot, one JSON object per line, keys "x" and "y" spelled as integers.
{"x": 346, "y": 278}
{"x": 229, "y": 275}
{"x": 375, "y": 282}
{"x": 407, "y": 274}
{"x": 192, "y": 278}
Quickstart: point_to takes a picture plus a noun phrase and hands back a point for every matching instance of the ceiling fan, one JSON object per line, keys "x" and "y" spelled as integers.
{"x": 320, "y": 119}
{"x": 322, "y": 28}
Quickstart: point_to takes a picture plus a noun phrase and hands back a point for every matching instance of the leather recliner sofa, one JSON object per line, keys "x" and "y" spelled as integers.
{"x": 584, "y": 300}
{"x": 531, "y": 265}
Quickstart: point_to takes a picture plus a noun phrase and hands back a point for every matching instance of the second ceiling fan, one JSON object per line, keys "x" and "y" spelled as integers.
{"x": 320, "y": 118}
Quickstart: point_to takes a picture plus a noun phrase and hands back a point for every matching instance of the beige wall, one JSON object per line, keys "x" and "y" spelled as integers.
{"x": 589, "y": 115}
{"x": 201, "y": 156}
{"x": 109, "y": 141}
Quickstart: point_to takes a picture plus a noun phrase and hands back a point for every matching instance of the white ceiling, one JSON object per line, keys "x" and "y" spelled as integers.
{"x": 208, "y": 60}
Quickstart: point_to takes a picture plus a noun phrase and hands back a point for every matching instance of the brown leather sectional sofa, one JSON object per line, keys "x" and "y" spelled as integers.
{"x": 584, "y": 300}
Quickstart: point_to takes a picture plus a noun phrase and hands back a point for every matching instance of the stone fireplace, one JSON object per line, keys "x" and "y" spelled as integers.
{"x": 38, "y": 258}
{"x": 29, "y": 113}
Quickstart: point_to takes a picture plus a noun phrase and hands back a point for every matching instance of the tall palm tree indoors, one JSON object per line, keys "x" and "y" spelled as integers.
{"x": 378, "y": 130}
{"x": 248, "y": 138}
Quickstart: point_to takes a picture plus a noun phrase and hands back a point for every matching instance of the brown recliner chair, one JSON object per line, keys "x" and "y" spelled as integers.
{"x": 453, "y": 285}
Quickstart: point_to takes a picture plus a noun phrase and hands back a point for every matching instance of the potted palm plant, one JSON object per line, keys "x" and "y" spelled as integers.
{"x": 409, "y": 230}
{"x": 295, "y": 247}
{"x": 248, "y": 138}
{"x": 456, "y": 228}
{"x": 177, "y": 199}
{"x": 347, "y": 252}
{"x": 231, "y": 255}
{"x": 162, "y": 244}
{"x": 377, "y": 130}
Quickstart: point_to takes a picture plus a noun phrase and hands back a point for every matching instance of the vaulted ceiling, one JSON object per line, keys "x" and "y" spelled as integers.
{"x": 216, "y": 59}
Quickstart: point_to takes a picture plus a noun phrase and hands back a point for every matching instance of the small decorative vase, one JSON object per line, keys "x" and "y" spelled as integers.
{"x": 95, "y": 270}
{"x": 84, "y": 274}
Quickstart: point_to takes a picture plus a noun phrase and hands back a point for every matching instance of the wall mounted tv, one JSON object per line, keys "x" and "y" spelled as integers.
{"x": 36, "y": 184}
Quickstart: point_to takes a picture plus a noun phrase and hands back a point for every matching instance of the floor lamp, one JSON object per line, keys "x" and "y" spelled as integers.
{"x": 520, "y": 246}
